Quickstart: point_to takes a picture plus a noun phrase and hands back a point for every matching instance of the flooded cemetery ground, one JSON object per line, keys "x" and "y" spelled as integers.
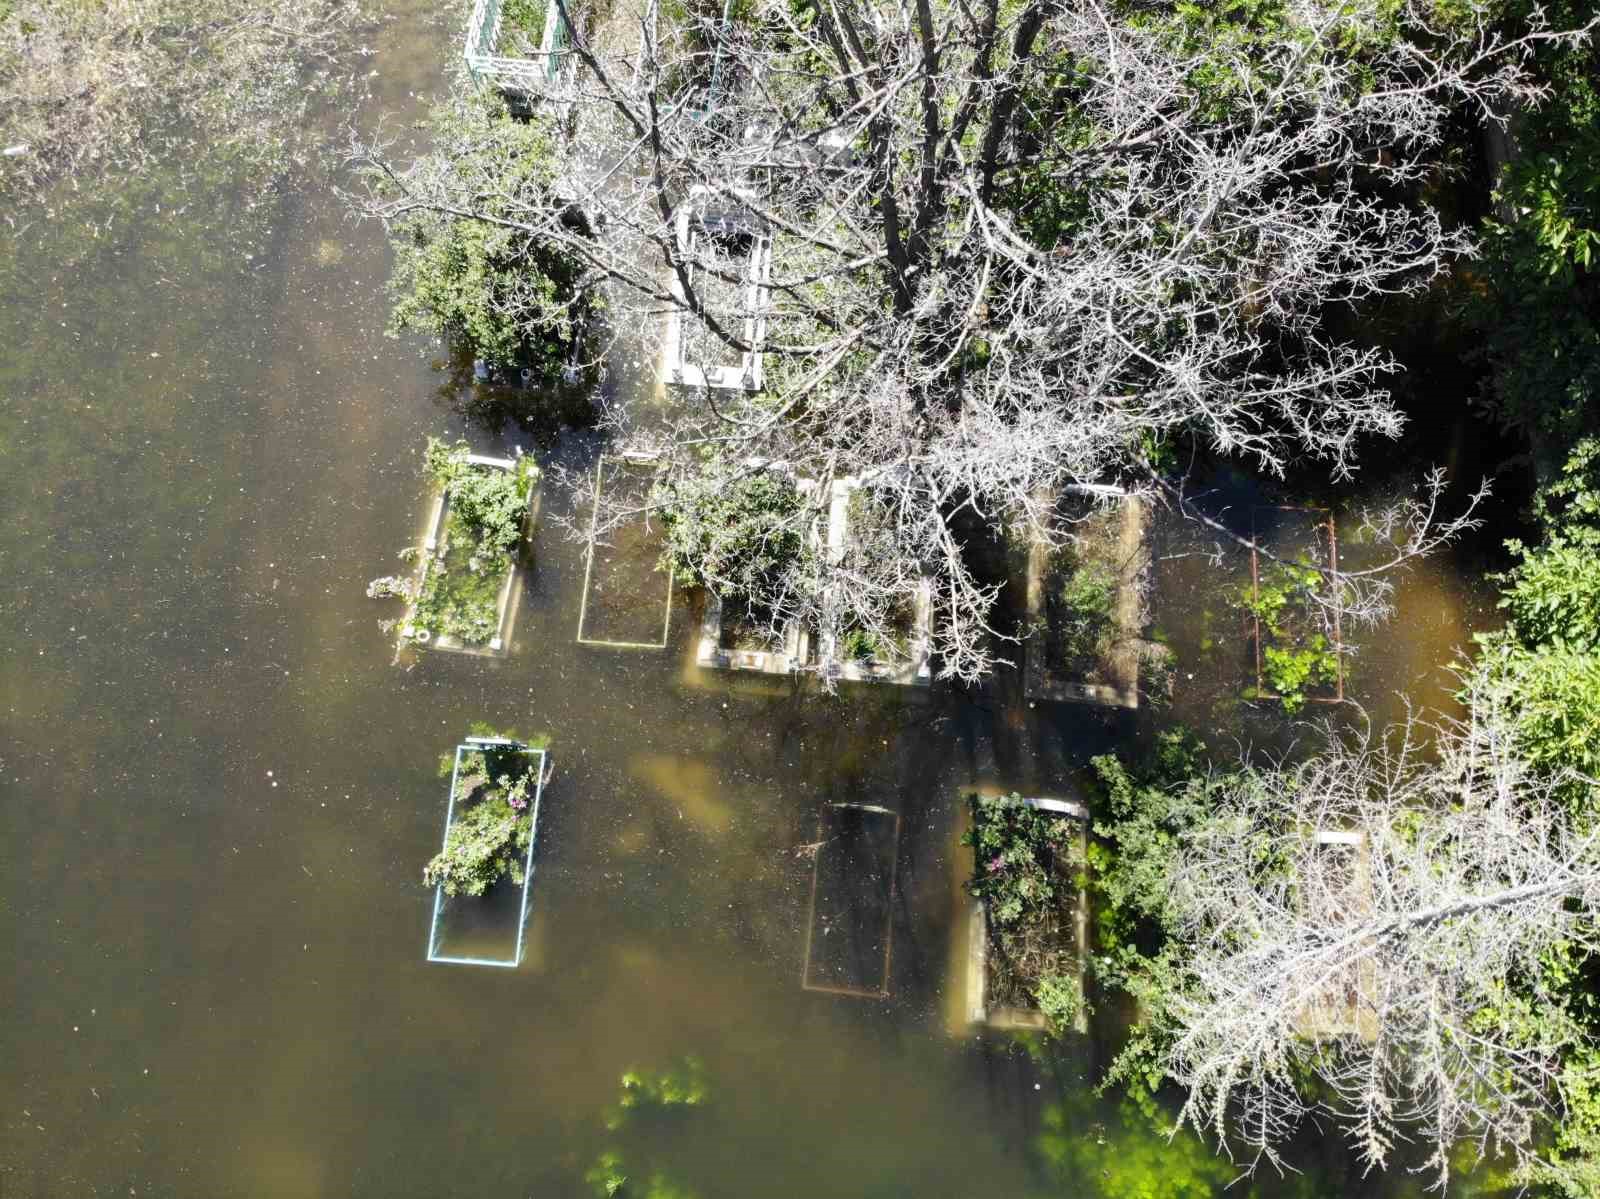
{"x": 219, "y": 793}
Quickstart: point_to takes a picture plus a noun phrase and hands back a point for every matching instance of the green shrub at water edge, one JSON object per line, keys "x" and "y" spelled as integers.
{"x": 499, "y": 293}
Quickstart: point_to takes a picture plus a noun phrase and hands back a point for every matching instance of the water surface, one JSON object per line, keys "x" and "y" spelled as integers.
{"x": 218, "y": 792}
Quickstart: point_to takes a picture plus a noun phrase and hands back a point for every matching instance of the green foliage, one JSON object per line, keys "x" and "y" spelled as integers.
{"x": 1080, "y": 612}
{"x": 1300, "y": 656}
{"x": 606, "y": 1178}
{"x": 497, "y": 292}
{"x": 1126, "y": 1157}
{"x": 1017, "y": 852}
{"x": 460, "y": 595}
{"x": 681, "y": 1086}
{"x": 1546, "y": 662}
{"x": 1060, "y": 998}
{"x": 522, "y": 19}
{"x": 1537, "y": 309}
{"x": 858, "y": 645}
{"x": 1140, "y": 817}
{"x": 491, "y": 825}
{"x": 666, "y": 1093}
{"x": 738, "y": 535}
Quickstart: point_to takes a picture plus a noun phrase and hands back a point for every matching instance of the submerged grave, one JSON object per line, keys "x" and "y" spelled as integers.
{"x": 728, "y": 256}
{"x": 1012, "y": 955}
{"x": 520, "y": 47}
{"x": 903, "y": 656}
{"x": 484, "y": 867}
{"x": 1086, "y": 606}
{"x": 736, "y": 635}
{"x": 463, "y": 597}
{"x": 627, "y": 596}
{"x": 850, "y": 919}
{"x": 1297, "y": 639}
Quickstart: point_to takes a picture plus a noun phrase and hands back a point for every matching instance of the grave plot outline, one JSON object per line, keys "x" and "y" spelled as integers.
{"x": 882, "y": 991}
{"x": 1011, "y": 1019}
{"x": 467, "y": 746}
{"x": 1040, "y": 680}
{"x": 509, "y": 600}
{"x": 588, "y": 565}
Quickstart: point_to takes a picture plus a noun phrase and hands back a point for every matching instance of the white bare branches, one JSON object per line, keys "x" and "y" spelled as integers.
{"x": 1012, "y": 248}
{"x": 1391, "y": 926}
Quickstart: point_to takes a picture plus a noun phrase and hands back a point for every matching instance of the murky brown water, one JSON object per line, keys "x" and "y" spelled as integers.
{"x": 218, "y": 793}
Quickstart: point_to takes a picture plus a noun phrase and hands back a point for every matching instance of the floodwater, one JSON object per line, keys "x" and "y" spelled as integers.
{"x": 217, "y": 792}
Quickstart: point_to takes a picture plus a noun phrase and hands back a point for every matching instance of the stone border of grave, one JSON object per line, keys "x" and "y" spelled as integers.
{"x": 588, "y": 566}
{"x": 1038, "y": 681}
{"x": 500, "y": 644}
{"x": 1014, "y": 1018}
{"x": 542, "y": 766}
{"x": 747, "y": 374}
{"x": 917, "y": 669}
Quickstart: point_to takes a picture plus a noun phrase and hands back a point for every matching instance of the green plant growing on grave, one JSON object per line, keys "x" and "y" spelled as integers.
{"x": 1014, "y": 848}
{"x": 738, "y": 534}
{"x": 1079, "y": 613}
{"x": 484, "y": 524}
{"x": 492, "y": 822}
{"x": 1028, "y": 871}
{"x": 522, "y": 25}
{"x": 1296, "y": 655}
{"x": 1060, "y": 998}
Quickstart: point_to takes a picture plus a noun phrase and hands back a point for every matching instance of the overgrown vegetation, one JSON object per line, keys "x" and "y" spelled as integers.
{"x": 491, "y": 825}
{"x": 1028, "y": 870}
{"x": 740, "y": 533}
{"x": 485, "y": 524}
{"x": 489, "y": 285}
{"x": 1298, "y": 654}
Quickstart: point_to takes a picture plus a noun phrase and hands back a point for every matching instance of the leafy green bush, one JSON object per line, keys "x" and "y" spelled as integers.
{"x": 460, "y": 595}
{"x": 492, "y": 823}
{"x": 1141, "y": 814}
{"x": 1081, "y": 611}
{"x": 1060, "y": 998}
{"x": 1300, "y": 655}
{"x": 1017, "y": 850}
{"x": 739, "y": 534}
{"x": 501, "y": 293}
{"x": 1546, "y": 662}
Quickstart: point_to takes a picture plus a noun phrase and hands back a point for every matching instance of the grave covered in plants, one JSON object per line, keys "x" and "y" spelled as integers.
{"x": 481, "y": 874}
{"x": 749, "y": 540}
{"x": 849, "y": 925}
{"x": 1086, "y": 607}
{"x": 1028, "y": 924}
{"x": 463, "y": 595}
{"x": 884, "y": 626}
{"x": 1294, "y": 621}
{"x": 627, "y": 593}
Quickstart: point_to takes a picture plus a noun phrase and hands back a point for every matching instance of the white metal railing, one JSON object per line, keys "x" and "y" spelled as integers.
{"x": 528, "y": 76}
